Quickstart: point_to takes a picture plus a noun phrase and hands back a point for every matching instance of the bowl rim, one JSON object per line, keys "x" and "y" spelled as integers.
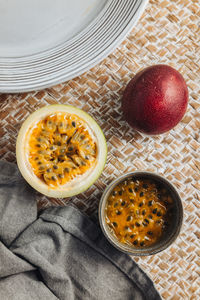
{"x": 138, "y": 251}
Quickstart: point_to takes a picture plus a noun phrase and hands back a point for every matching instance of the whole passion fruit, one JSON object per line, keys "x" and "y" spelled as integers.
{"x": 155, "y": 100}
{"x": 61, "y": 150}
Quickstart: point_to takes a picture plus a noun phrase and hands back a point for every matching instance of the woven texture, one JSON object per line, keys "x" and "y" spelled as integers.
{"x": 168, "y": 32}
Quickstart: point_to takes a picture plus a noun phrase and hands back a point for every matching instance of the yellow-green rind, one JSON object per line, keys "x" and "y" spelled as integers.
{"x": 24, "y": 166}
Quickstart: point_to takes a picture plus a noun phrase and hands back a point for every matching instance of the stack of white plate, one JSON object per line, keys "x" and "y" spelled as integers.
{"x": 45, "y": 42}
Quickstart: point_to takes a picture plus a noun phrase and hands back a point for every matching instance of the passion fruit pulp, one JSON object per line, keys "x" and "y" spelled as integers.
{"x": 61, "y": 150}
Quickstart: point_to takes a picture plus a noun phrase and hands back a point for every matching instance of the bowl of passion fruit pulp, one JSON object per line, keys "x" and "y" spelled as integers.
{"x": 171, "y": 229}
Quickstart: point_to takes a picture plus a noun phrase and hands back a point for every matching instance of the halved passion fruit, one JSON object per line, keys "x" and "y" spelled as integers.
{"x": 61, "y": 151}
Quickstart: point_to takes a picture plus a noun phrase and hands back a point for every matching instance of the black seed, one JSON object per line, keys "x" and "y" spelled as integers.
{"x": 60, "y": 175}
{"x": 146, "y": 220}
{"x": 118, "y": 212}
{"x": 132, "y": 201}
{"x": 141, "y": 203}
{"x": 39, "y": 139}
{"x": 49, "y": 170}
{"x": 154, "y": 211}
{"x": 39, "y": 163}
{"x": 158, "y": 221}
{"x": 135, "y": 242}
{"x": 144, "y": 212}
{"x": 123, "y": 203}
{"x": 49, "y": 122}
{"x": 83, "y": 163}
{"x": 62, "y": 151}
{"x": 59, "y": 143}
{"x": 114, "y": 193}
{"x": 53, "y": 178}
{"x": 150, "y": 233}
{"x": 36, "y": 158}
{"x": 87, "y": 157}
{"x": 61, "y": 157}
{"x": 38, "y": 145}
{"x": 132, "y": 236}
{"x": 141, "y": 194}
{"x": 55, "y": 167}
{"x": 150, "y": 216}
{"x": 150, "y": 203}
{"x": 142, "y": 243}
{"x": 145, "y": 186}
{"x": 144, "y": 224}
{"x": 82, "y": 137}
{"x": 129, "y": 218}
{"x": 137, "y": 224}
{"x": 114, "y": 224}
{"x": 70, "y": 148}
{"x": 136, "y": 189}
{"x": 159, "y": 196}
{"x": 51, "y": 148}
{"x": 66, "y": 170}
{"x": 159, "y": 214}
{"x": 120, "y": 192}
{"x": 130, "y": 190}
{"x": 74, "y": 124}
{"x": 132, "y": 226}
{"x": 166, "y": 203}
{"x": 126, "y": 228}
{"x": 116, "y": 204}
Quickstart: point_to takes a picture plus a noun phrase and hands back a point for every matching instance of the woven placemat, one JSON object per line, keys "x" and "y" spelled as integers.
{"x": 168, "y": 32}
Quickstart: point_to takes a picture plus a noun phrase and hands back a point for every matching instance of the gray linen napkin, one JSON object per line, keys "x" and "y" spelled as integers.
{"x": 60, "y": 254}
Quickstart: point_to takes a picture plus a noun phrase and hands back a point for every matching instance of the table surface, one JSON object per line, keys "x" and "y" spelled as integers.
{"x": 168, "y": 32}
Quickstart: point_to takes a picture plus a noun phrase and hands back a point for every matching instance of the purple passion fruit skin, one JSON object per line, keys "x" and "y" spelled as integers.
{"x": 155, "y": 100}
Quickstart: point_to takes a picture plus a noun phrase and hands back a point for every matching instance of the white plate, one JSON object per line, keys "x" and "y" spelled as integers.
{"x": 45, "y": 42}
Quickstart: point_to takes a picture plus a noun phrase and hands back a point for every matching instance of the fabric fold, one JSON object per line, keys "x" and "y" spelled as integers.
{"x": 60, "y": 254}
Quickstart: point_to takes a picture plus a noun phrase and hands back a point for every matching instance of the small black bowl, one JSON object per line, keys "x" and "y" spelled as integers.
{"x": 174, "y": 225}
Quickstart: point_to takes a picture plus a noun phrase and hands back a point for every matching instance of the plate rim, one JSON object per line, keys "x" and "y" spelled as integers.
{"x": 87, "y": 66}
